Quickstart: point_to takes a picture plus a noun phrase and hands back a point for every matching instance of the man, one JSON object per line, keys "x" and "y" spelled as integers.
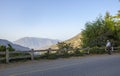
{"x": 108, "y": 47}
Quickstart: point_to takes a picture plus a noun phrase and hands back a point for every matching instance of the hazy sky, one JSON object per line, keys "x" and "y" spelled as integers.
{"x": 56, "y": 19}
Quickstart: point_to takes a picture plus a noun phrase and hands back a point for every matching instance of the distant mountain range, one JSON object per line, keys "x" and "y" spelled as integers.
{"x": 36, "y": 43}
{"x": 40, "y": 43}
{"x": 15, "y": 46}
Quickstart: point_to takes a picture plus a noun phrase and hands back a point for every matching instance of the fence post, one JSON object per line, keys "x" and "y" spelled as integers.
{"x": 112, "y": 49}
{"x": 32, "y": 54}
{"x": 88, "y": 50}
{"x": 7, "y": 56}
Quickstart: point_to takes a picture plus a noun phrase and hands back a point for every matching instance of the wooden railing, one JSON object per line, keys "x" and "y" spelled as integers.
{"x": 31, "y": 53}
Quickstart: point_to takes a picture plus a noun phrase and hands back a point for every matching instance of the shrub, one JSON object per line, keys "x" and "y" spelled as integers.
{"x": 18, "y": 54}
{"x": 78, "y": 53}
{"x": 10, "y": 48}
{"x": 64, "y": 47}
{"x": 50, "y": 56}
{"x": 118, "y": 50}
{"x": 65, "y": 55}
{"x": 2, "y": 48}
{"x": 97, "y": 50}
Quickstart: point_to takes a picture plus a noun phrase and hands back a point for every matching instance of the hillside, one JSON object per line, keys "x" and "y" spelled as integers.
{"x": 36, "y": 43}
{"x": 75, "y": 41}
{"x": 15, "y": 46}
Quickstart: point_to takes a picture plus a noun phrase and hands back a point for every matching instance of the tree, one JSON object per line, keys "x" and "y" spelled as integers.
{"x": 109, "y": 21}
{"x": 2, "y": 48}
{"x": 97, "y": 32}
{"x": 94, "y": 33}
{"x": 10, "y": 48}
{"x": 116, "y": 19}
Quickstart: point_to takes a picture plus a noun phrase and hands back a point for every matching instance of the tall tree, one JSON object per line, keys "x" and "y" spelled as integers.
{"x": 97, "y": 32}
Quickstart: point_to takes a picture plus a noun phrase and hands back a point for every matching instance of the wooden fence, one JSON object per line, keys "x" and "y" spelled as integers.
{"x": 31, "y": 53}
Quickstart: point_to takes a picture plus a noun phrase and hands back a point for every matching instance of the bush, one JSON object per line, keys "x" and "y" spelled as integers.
{"x": 18, "y": 54}
{"x": 118, "y": 50}
{"x": 49, "y": 56}
{"x": 10, "y": 48}
{"x": 78, "y": 53}
{"x": 2, "y": 48}
{"x": 52, "y": 56}
{"x": 65, "y": 55}
{"x": 64, "y": 47}
{"x": 97, "y": 50}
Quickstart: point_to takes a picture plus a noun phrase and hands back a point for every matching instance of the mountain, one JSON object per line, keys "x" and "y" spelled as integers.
{"x": 36, "y": 43}
{"x": 75, "y": 41}
{"x": 15, "y": 46}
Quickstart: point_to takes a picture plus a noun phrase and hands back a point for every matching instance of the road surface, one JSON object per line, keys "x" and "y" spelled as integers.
{"x": 99, "y": 65}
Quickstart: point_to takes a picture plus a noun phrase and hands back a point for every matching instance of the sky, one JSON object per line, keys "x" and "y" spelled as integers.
{"x": 55, "y": 19}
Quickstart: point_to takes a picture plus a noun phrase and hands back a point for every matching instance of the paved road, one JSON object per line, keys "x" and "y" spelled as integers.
{"x": 102, "y": 65}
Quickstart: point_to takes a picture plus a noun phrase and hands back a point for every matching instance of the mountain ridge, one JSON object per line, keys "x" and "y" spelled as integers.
{"x": 75, "y": 41}
{"x": 36, "y": 43}
{"x": 15, "y": 46}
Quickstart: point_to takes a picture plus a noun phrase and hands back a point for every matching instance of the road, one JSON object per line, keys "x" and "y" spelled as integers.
{"x": 98, "y": 65}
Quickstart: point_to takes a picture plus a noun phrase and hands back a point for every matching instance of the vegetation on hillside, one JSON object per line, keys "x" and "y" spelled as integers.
{"x": 75, "y": 41}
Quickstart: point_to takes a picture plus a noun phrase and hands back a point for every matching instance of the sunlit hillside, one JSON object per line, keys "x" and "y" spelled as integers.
{"x": 75, "y": 41}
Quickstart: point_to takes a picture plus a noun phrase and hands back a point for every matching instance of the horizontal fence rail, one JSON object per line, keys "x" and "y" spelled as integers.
{"x": 32, "y": 53}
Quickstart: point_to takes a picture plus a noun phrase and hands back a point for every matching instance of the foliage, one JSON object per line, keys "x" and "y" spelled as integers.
{"x": 2, "y": 48}
{"x": 78, "y": 53}
{"x": 50, "y": 56}
{"x": 10, "y": 48}
{"x": 64, "y": 47}
{"x": 97, "y": 32}
{"x": 118, "y": 49}
{"x": 94, "y": 33}
{"x": 65, "y": 55}
{"x": 96, "y": 50}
